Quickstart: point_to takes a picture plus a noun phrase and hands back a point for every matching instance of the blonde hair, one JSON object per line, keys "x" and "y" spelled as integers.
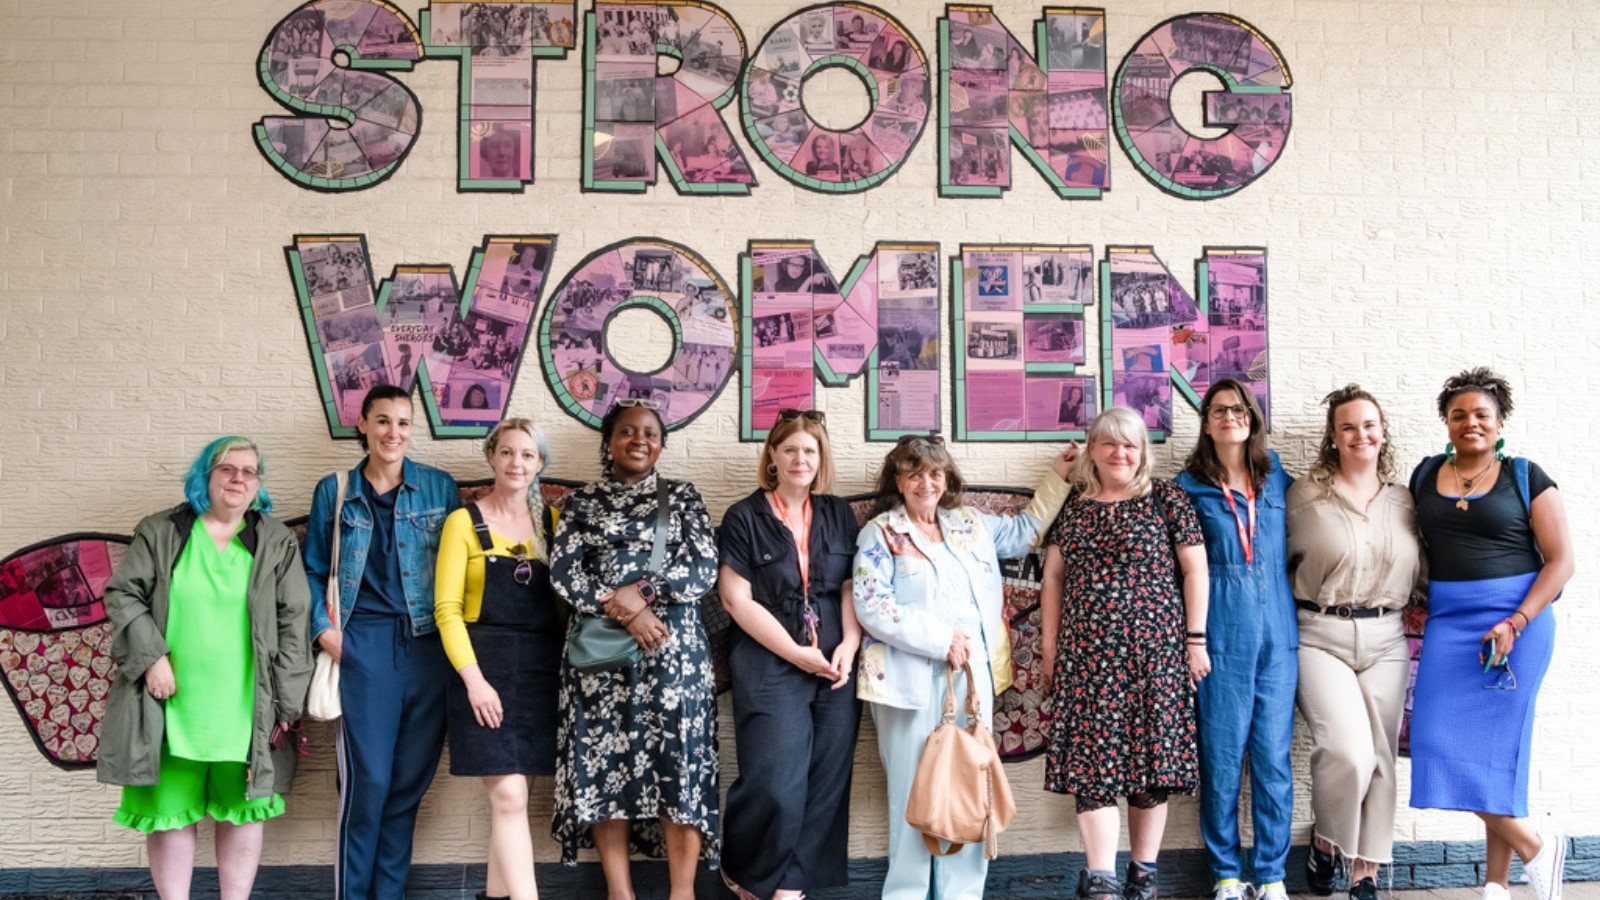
{"x": 782, "y": 430}
{"x": 1124, "y": 426}
{"x": 535, "y": 495}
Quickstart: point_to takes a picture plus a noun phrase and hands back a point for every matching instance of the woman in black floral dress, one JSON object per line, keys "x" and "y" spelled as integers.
{"x": 636, "y": 756}
{"x": 1119, "y": 679}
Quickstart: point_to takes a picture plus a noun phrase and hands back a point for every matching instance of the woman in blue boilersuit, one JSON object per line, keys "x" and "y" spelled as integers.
{"x": 1246, "y": 704}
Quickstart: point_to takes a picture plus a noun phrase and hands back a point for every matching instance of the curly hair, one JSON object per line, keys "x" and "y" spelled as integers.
{"x": 1327, "y": 461}
{"x": 1482, "y": 380}
{"x": 910, "y": 456}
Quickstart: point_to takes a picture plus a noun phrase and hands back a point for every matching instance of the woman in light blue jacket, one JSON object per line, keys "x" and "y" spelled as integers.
{"x": 928, "y": 593}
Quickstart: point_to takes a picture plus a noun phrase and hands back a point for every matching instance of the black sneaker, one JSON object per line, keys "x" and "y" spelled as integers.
{"x": 1320, "y": 870}
{"x": 1097, "y": 887}
{"x": 1140, "y": 883}
{"x": 1365, "y": 889}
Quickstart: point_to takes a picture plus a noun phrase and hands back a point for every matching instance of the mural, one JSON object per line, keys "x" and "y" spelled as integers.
{"x": 1154, "y": 335}
{"x": 464, "y": 346}
{"x": 325, "y": 61}
{"x": 664, "y": 278}
{"x": 632, "y": 114}
{"x": 800, "y": 322}
{"x": 994, "y": 95}
{"x": 1255, "y": 108}
{"x": 1018, "y": 317}
{"x": 498, "y": 46}
{"x": 863, "y": 40}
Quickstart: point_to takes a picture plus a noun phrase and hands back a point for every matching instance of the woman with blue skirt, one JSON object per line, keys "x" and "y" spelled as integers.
{"x": 1498, "y": 554}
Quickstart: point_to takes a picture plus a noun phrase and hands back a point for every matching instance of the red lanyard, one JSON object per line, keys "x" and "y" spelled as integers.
{"x": 802, "y": 538}
{"x": 802, "y": 543}
{"x": 1246, "y": 536}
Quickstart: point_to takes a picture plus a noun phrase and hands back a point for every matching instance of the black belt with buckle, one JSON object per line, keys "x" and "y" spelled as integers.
{"x": 1344, "y": 612}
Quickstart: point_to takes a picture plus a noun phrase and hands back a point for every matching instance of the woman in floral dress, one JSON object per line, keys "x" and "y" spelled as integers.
{"x": 1113, "y": 612}
{"x": 636, "y": 756}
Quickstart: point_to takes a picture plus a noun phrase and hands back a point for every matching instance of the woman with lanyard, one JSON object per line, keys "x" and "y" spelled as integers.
{"x": 1499, "y": 553}
{"x": 498, "y": 621}
{"x": 1246, "y": 704}
{"x": 785, "y": 579}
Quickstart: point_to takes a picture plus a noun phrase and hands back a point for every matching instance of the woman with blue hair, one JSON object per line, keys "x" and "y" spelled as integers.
{"x": 205, "y": 592}
{"x": 501, "y": 630}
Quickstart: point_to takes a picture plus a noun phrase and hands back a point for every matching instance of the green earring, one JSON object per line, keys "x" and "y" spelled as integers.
{"x": 1449, "y": 451}
{"x": 1499, "y": 446}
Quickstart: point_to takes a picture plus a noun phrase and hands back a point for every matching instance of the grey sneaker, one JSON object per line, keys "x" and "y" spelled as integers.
{"x": 1233, "y": 890}
{"x": 1140, "y": 883}
{"x": 1365, "y": 889}
{"x": 1097, "y": 887}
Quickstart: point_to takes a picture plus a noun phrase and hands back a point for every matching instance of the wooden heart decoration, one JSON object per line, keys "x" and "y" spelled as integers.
{"x": 97, "y": 709}
{"x": 57, "y": 672}
{"x": 27, "y": 642}
{"x": 35, "y": 708}
{"x": 60, "y": 714}
{"x": 78, "y": 699}
{"x": 54, "y": 652}
{"x": 98, "y": 687}
{"x": 101, "y": 665}
{"x": 85, "y": 744}
{"x": 78, "y": 676}
{"x": 48, "y": 730}
{"x": 82, "y": 722}
{"x": 56, "y": 694}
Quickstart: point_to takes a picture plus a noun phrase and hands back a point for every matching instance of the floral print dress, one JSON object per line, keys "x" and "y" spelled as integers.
{"x": 638, "y": 744}
{"x": 1123, "y": 704}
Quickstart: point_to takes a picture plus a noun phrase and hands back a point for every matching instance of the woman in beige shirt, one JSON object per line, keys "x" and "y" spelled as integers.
{"x": 1354, "y": 560}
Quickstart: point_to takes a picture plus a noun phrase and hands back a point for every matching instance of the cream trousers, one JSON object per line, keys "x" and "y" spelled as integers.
{"x": 1352, "y": 693}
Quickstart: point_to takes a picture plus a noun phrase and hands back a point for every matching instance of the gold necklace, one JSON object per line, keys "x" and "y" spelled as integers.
{"x": 1465, "y": 484}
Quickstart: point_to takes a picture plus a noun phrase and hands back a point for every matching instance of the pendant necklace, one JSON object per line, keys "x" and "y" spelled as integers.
{"x": 1465, "y": 484}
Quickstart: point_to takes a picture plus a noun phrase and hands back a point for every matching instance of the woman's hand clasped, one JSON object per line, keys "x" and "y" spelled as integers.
{"x": 628, "y": 606}
{"x": 159, "y": 680}
{"x": 960, "y": 650}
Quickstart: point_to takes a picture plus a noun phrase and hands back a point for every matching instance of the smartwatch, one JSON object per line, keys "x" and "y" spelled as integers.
{"x": 646, "y": 590}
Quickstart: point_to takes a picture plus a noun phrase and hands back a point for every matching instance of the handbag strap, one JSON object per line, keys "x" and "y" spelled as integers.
{"x": 658, "y": 550}
{"x": 340, "y": 483}
{"x": 974, "y": 707}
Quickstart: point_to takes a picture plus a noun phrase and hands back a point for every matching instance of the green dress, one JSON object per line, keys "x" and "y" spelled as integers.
{"x": 208, "y": 633}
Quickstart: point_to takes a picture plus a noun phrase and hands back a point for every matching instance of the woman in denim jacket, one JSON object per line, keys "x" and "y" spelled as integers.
{"x": 393, "y": 673}
{"x": 928, "y": 592}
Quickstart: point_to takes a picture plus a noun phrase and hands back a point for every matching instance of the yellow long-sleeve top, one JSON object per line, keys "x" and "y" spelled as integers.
{"x": 458, "y": 583}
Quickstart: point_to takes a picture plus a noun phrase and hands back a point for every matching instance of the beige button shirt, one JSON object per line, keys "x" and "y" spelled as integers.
{"x": 1342, "y": 556}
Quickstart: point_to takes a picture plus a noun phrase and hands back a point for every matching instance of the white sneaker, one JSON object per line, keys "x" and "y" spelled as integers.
{"x": 1273, "y": 891}
{"x": 1233, "y": 890}
{"x": 1493, "y": 891}
{"x": 1548, "y": 866}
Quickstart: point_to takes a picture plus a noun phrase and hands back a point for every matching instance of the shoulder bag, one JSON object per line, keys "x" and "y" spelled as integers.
{"x": 322, "y": 703}
{"x": 960, "y": 793}
{"x": 602, "y": 644}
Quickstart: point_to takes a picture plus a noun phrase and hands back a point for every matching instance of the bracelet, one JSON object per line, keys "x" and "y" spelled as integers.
{"x": 1525, "y": 619}
{"x": 1196, "y": 642}
{"x": 1514, "y": 631}
{"x": 1193, "y": 634}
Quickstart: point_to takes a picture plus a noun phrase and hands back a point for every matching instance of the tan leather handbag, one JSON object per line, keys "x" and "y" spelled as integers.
{"x": 960, "y": 793}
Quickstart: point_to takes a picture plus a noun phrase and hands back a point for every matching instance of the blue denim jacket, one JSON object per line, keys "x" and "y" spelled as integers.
{"x": 427, "y": 496}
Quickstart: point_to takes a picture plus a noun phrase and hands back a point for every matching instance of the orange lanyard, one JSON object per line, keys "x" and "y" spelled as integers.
{"x": 1246, "y": 536}
{"x": 802, "y": 537}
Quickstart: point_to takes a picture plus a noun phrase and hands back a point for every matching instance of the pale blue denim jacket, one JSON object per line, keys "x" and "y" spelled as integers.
{"x": 427, "y": 496}
{"x": 896, "y": 598}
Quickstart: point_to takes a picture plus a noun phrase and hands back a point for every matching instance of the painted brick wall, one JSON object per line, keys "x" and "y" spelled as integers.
{"x": 1435, "y": 208}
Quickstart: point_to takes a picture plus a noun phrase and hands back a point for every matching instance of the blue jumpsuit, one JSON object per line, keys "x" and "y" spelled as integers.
{"x": 1246, "y": 704}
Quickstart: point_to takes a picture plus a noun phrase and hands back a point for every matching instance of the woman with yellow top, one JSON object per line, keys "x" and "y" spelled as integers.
{"x": 503, "y": 635}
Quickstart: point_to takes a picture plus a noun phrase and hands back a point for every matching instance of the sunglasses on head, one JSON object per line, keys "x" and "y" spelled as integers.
{"x": 810, "y": 415}
{"x": 646, "y": 402}
{"x": 932, "y": 438}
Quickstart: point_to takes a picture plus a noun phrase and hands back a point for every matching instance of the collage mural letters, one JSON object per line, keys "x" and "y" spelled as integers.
{"x": 1043, "y": 334}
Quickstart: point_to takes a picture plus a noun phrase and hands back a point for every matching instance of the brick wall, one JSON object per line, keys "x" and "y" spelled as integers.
{"x": 1435, "y": 208}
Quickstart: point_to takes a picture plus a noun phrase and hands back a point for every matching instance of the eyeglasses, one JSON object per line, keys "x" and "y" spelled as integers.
{"x": 932, "y": 438}
{"x": 646, "y": 402}
{"x": 1504, "y": 679}
{"x": 810, "y": 415}
{"x": 230, "y": 472}
{"x": 523, "y": 573}
{"x": 1223, "y": 413}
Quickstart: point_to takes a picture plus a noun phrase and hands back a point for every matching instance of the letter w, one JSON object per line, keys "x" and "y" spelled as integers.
{"x": 464, "y": 346}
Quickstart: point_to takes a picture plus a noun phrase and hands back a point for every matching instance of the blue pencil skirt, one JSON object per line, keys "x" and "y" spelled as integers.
{"x": 1471, "y": 738}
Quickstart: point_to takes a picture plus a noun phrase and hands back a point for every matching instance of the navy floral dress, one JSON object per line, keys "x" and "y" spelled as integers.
{"x": 1123, "y": 706}
{"x": 638, "y": 744}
